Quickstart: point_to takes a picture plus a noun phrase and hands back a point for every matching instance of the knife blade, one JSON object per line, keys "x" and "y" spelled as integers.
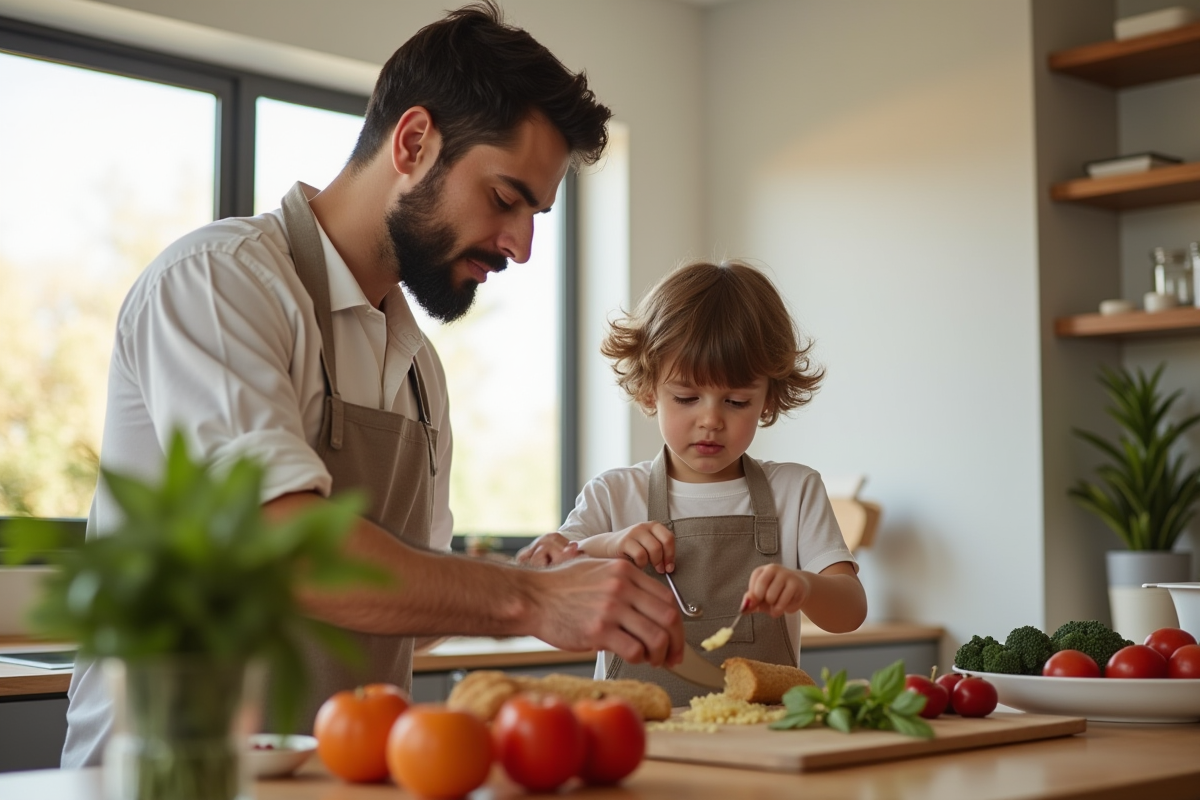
{"x": 697, "y": 670}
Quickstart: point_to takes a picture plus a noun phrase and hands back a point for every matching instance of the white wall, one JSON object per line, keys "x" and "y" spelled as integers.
{"x": 877, "y": 157}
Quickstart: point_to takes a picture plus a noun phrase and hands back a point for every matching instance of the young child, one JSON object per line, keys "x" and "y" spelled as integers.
{"x": 712, "y": 353}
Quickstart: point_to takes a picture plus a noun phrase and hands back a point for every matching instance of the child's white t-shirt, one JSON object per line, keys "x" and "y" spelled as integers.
{"x": 809, "y": 536}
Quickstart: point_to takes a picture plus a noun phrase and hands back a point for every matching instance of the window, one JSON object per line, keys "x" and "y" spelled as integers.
{"x": 169, "y": 144}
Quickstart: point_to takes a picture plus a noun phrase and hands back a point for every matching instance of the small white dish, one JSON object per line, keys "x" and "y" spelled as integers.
{"x": 1110, "y": 307}
{"x": 1155, "y": 302}
{"x": 1099, "y": 699}
{"x": 274, "y": 755}
{"x": 1186, "y": 597}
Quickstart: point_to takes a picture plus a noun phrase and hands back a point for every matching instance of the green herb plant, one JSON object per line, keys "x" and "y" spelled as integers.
{"x": 847, "y": 705}
{"x": 195, "y": 575}
{"x": 1144, "y": 495}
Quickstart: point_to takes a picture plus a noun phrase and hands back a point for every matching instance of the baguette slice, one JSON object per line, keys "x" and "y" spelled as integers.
{"x": 760, "y": 682}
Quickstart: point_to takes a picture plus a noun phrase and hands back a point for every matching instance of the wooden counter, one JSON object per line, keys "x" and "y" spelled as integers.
{"x": 1109, "y": 761}
{"x": 480, "y": 653}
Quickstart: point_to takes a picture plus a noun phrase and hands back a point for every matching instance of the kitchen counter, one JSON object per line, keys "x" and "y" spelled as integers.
{"x": 482, "y": 653}
{"x": 1108, "y": 761}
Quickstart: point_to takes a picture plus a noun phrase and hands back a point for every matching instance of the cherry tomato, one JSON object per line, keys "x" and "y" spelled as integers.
{"x": 538, "y": 740}
{"x": 615, "y": 739}
{"x": 974, "y": 697}
{"x": 437, "y": 753}
{"x": 1071, "y": 664}
{"x": 936, "y": 697}
{"x": 948, "y": 682}
{"x": 1168, "y": 640}
{"x": 1185, "y": 662}
{"x": 352, "y": 730}
{"x": 1136, "y": 661}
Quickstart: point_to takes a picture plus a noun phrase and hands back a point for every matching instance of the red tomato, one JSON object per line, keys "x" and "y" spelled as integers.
{"x": 438, "y": 753}
{"x": 948, "y": 682}
{"x": 615, "y": 739}
{"x": 1071, "y": 664}
{"x": 1168, "y": 640}
{"x": 352, "y": 730}
{"x": 538, "y": 740}
{"x": 936, "y": 696}
{"x": 1136, "y": 661}
{"x": 1185, "y": 662}
{"x": 974, "y": 697}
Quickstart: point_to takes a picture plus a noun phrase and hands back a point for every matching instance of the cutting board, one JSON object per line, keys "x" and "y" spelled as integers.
{"x": 755, "y": 747}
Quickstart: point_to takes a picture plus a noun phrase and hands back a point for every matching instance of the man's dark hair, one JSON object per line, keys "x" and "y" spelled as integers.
{"x": 479, "y": 78}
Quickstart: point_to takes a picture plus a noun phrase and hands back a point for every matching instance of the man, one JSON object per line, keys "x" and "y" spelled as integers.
{"x": 286, "y": 336}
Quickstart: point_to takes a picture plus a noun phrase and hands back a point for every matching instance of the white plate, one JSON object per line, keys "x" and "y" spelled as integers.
{"x": 284, "y": 757}
{"x": 1099, "y": 699}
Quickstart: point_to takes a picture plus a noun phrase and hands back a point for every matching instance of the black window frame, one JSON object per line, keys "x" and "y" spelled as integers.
{"x": 237, "y": 91}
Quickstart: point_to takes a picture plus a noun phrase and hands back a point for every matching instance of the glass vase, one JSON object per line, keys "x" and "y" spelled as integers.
{"x": 180, "y": 728}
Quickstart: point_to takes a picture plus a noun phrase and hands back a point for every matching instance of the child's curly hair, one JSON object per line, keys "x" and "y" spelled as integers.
{"x": 713, "y": 325}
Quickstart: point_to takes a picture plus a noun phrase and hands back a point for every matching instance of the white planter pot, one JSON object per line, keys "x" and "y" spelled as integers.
{"x": 1137, "y": 612}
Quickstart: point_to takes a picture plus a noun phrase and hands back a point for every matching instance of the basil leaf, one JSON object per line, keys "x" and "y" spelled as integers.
{"x": 909, "y": 703}
{"x": 840, "y": 719}
{"x": 792, "y": 721}
{"x": 910, "y": 726}
{"x": 888, "y": 683}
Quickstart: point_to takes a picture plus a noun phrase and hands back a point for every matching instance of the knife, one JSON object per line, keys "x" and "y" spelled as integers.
{"x": 697, "y": 670}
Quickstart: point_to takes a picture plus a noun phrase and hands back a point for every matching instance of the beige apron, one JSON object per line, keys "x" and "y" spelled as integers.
{"x": 714, "y": 557}
{"x": 389, "y": 457}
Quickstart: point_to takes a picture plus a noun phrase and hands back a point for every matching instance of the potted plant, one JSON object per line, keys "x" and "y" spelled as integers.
{"x": 185, "y": 604}
{"x": 1146, "y": 495}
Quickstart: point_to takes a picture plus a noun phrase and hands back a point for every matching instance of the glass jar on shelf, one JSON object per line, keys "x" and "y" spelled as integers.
{"x": 1194, "y": 253}
{"x": 1173, "y": 271}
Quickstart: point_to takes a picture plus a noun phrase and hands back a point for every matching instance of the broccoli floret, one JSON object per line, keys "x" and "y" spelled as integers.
{"x": 998, "y": 658}
{"x": 1032, "y": 646}
{"x": 970, "y": 655}
{"x": 1094, "y": 638}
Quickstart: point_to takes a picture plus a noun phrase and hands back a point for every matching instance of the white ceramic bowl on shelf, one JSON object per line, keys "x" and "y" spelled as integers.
{"x": 274, "y": 755}
{"x": 1186, "y": 597}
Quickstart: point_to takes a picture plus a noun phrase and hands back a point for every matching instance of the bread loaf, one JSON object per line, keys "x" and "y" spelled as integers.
{"x": 483, "y": 692}
{"x": 759, "y": 682}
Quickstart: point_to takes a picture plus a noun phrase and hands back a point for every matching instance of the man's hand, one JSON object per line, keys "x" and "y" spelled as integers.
{"x": 548, "y": 550}
{"x": 644, "y": 543}
{"x": 594, "y": 604}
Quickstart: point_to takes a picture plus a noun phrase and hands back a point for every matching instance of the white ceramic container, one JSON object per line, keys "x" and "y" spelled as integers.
{"x": 1186, "y": 597}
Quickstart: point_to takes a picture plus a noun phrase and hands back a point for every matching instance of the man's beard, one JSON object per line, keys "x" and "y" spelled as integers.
{"x": 423, "y": 246}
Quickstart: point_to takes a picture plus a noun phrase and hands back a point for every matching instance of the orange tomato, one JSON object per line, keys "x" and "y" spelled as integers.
{"x": 437, "y": 753}
{"x": 352, "y": 730}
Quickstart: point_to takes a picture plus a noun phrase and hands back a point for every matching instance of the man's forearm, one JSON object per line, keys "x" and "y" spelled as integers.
{"x": 431, "y": 594}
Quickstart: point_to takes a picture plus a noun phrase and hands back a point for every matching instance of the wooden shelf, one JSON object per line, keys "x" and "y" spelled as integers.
{"x": 1121, "y": 63}
{"x": 1183, "y": 321}
{"x": 1178, "y": 183}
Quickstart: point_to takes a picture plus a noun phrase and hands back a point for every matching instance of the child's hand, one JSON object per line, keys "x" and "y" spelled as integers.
{"x": 547, "y": 550}
{"x": 645, "y": 543}
{"x": 776, "y": 590}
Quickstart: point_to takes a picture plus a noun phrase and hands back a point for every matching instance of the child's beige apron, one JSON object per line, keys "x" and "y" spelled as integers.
{"x": 388, "y": 456}
{"x": 714, "y": 557}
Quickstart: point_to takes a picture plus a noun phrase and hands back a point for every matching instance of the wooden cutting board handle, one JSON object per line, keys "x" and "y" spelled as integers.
{"x": 858, "y": 520}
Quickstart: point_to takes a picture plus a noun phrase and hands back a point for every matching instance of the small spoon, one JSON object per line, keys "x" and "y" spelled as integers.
{"x": 688, "y": 609}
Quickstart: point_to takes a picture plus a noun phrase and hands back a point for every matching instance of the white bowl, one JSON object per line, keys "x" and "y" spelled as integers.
{"x": 1099, "y": 699}
{"x": 1186, "y": 597}
{"x": 277, "y": 755}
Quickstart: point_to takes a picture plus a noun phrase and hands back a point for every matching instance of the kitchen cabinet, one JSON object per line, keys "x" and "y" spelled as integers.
{"x": 1162, "y": 56}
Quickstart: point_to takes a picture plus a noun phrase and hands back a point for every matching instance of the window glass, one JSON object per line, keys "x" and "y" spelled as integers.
{"x": 294, "y": 142}
{"x": 501, "y": 363}
{"x": 99, "y": 173}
